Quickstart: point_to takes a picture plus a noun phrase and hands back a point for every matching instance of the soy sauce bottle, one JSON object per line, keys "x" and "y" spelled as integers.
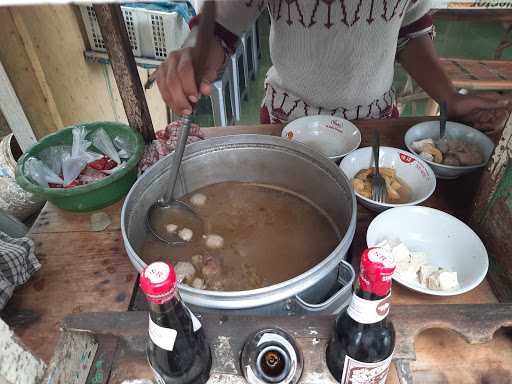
{"x": 177, "y": 349}
{"x": 362, "y": 345}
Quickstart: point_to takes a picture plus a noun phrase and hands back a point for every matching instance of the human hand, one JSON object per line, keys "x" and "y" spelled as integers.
{"x": 177, "y": 81}
{"x": 487, "y": 112}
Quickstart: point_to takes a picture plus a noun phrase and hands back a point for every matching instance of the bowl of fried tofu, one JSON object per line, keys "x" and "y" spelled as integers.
{"x": 409, "y": 180}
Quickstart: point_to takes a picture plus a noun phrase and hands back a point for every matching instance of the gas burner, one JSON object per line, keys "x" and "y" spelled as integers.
{"x": 271, "y": 356}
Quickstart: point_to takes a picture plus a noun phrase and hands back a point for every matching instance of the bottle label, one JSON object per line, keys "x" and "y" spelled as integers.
{"x": 368, "y": 311}
{"x": 196, "y": 324}
{"x": 161, "y": 336}
{"x": 357, "y": 372}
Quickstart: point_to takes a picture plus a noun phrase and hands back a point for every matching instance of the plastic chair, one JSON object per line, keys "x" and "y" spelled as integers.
{"x": 223, "y": 99}
{"x": 251, "y": 50}
{"x": 240, "y": 77}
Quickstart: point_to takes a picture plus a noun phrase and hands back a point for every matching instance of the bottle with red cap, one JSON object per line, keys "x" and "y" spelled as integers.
{"x": 362, "y": 345}
{"x": 177, "y": 349}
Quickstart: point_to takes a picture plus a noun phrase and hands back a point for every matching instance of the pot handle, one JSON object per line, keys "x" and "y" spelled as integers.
{"x": 339, "y": 299}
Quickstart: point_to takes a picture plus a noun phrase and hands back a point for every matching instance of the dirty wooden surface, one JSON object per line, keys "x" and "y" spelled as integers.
{"x": 85, "y": 271}
{"x": 476, "y": 324}
{"x": 82, "y": 271}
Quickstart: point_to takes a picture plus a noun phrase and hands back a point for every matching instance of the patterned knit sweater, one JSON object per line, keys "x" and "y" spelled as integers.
{"x": 329, "y": 56}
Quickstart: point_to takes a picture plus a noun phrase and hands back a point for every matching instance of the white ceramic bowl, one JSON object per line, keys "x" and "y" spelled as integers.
{"x": 430, "y": 129}
{"x": 449, "y": 243}
{"x": 332, "y": 136}
{"x": 410, "y": 168}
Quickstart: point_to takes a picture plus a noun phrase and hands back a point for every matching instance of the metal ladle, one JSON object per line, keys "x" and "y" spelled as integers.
{"x": 168, "y": 206}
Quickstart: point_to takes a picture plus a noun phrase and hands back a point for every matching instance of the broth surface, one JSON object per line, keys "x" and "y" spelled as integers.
{"x": 270, "y": 235}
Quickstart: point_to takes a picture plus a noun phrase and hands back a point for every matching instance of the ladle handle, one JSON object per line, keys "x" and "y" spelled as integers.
{"x": 178, "y": 155}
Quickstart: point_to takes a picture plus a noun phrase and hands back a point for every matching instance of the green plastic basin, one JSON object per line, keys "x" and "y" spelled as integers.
{"x": 92, "y": 196}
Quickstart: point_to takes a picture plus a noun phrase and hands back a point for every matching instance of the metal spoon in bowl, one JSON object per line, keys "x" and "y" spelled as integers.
{"x": 168, "y": 208}
{"x": 443, "y": 107}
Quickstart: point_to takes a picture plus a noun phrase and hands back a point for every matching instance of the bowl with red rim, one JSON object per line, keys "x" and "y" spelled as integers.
{"x": 332, "y": 136}
{"x": 410, "y": 169}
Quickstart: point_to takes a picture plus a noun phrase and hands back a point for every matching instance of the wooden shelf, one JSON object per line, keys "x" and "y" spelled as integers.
{"x": 102, "y": 58}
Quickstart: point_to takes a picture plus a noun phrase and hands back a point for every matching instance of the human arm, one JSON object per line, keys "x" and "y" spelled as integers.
{"x": 486, "y": 112}
{"x": 417, "y": 55}
{"x": 175, "y": 76}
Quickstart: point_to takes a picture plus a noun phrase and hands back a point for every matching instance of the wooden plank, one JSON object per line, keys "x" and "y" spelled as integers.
{"x": 482, "y": 294}
{"x": 55, "y": 220}
{"x": 444, "y": 357}
{"x": 113, "y": 30}
{"x": 81, "y": 272}
{"x": 227, "y": 334}
{"x": 102, "y": 58}
{"x": 18, "y": 65}
{"x": 59, "y": 47}
{"x": 13, "y": 113}
{"x": 37, "y": 67}
{"x": 492, "y": 214}
{"x": 483, "y": 85}
{"x": 73, "y": 359}
{"x": 470, "y": 11}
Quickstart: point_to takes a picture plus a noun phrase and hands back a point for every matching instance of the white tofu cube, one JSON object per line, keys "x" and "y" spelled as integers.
{"x": 424, "y": 272}
{"x": 448, "y": 281}
{"x": 401, "y": 253}
{"x": 433, "y": 281}
{"x": 407, "y": 271}
{"x": 419, "y": 258}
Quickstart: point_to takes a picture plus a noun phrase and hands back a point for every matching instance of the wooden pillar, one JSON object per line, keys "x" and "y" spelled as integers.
{"x": 115, "y": 37}
{"x": 492, "y": 214}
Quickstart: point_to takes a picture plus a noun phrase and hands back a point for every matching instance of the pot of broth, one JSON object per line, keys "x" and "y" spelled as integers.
{"x": 278, "y": 221}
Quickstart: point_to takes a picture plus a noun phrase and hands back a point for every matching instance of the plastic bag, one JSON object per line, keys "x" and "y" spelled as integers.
{"x": 52, "y": 157}
{"x": 80, "y": 145}
{"x": 124, "y": 148}
{"x": 103, "y": 142}
{"x": 73, "y": 163}
{"x": 40, "y": 173}
{"x": 71, "y": 167}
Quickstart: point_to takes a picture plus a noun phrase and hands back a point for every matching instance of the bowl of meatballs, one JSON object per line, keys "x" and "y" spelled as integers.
{"x": 462, "y": 150}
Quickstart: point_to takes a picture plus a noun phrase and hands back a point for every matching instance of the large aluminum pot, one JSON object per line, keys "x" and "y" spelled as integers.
{"x": 326, "y": 287}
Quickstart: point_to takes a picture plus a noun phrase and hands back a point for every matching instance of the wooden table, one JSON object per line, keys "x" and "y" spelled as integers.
{"x": 86, "y": 271}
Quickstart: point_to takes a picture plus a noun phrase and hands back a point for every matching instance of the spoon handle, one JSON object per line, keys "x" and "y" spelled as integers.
{"x": 376, "y": 150}
{"x": 443, "y": 117}
{"x": 178, "y": 155}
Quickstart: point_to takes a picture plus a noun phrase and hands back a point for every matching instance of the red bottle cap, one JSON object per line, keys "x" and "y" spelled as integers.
{"x": 158, "y": 281}
{"x": 377, "y": 267}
